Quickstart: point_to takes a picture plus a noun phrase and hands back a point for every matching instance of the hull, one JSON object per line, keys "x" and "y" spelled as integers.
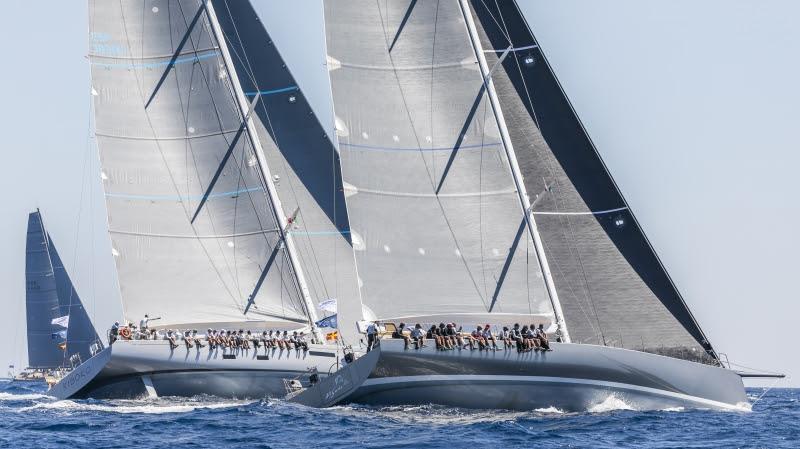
{"x": 150, "y": 368}
{"x": 573, "y": 377}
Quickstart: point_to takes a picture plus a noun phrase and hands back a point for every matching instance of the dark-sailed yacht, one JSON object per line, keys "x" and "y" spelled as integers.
{"x": 50, "y": 299}
{"x": 455, "y": 184}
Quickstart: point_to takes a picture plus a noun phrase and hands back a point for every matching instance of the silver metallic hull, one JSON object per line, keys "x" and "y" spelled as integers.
{"x": 136, "y": 365}
{"x": 571, "y": 378}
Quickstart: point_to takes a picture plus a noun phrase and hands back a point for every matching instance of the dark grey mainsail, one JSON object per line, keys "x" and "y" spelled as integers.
{"x": 195, "y": 233}
{"x": 611, "y": 284}
{"x": 41, "y": 299}
{"x": 302, "y": 159}
{"x": 436, "y": 220}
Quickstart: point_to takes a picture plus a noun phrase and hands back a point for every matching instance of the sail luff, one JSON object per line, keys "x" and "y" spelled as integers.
{"x": 277, "y": 208}
{"x": 512, "y": 159}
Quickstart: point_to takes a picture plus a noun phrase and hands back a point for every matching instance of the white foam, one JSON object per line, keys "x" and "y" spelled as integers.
{"x": 672, "y": 409}
{"x": 550, "y": 409}
{"x": 21, "y": 397}
{"x": 144, "y": 408}
{"x": 609, "y": 404}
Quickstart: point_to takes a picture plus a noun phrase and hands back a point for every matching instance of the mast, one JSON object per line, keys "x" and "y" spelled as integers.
{"x": 283, "y": 223}
{"x": 515, "y": 171}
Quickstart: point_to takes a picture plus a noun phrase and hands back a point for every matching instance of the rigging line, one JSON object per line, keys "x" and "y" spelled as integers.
{"x": 251, "y": 75}
{"x": 197, "y": 66}
{"x": 158, "y": 144}
{"x": 241, "y": 176}
{"x": 573, "y": 247}
{"x": 427, "y": 169}
{"x": 275, "y": 212}
{"x": 503, "y": 29}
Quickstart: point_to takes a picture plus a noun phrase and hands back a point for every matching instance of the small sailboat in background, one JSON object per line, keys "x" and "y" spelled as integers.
{"x": 60, "y": 333}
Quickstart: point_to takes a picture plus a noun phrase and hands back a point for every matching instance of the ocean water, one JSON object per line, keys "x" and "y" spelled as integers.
{"x": 28, "y": 418}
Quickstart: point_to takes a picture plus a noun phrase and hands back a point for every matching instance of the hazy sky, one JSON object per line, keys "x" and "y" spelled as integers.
{"x": 693, "y": 106}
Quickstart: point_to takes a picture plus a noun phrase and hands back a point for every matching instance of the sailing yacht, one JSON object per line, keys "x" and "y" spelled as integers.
{"x": 475, "y": 194}
{"x": 59, "y": 331}
{"x": 455, "y": 184}
{"x": 188, "y": 131}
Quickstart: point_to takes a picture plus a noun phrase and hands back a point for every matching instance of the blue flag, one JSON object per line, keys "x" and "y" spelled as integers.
{"x": 329, "y": 321}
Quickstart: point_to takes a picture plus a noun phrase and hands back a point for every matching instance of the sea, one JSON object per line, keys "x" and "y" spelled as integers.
{"x": 30, "y": 419}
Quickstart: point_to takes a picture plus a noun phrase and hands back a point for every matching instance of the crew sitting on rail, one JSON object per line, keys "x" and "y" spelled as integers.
{"x": 534, "y": 340}
{"x": 300, "y": 341}
{"x": 418, "y": 336}
{"x": 113, "y": 333}
{"x": 171, "y": 337}
{"x": 197, "y": 340}
{"x": 477, "y": 337}
{"x": 516, "y": 336}
{"x": 286, "y": 340}
{"x": 505, "y": 335}
{"x": 398, "y": 333}
{"x": 489, "y": 337}
{"x": 543, "y": 340}
{"x": 188, "y": 340}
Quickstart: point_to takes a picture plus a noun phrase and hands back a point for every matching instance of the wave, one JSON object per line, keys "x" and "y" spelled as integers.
{"x": 133, "y": 408}
{"x": 609, "y": 404}
{"x": 550, "y": 410}
{"x": 21, "y": 397}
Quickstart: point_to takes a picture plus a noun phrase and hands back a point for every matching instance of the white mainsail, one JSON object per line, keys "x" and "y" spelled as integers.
{"x": 194, "y": 233}
{"x": 437, "y": 224}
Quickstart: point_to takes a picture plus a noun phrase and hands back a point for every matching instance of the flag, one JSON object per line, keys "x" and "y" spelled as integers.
{"x": 330, "y": 322}
{"x": 62, "y": 321}
{"x": 332, "y": 336}
{"x": 59, "y": 334}
{"x": 329, "y": 305}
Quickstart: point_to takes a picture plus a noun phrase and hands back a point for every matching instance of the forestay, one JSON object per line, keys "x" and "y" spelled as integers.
{"x": 436, "y": 223}
{"x": 193, "y": 232}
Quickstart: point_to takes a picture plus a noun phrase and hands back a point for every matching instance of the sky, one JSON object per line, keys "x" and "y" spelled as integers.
{"x": 692, "y": 105}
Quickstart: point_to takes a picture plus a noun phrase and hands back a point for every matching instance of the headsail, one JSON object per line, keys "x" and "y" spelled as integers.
{"x": 81, "y": 333}
{"x": 436, "y": 221}
{"x": 611, "y": 284}
{"x": 194, "y": 234}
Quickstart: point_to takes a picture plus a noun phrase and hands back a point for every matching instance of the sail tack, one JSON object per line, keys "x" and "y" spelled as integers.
{"x": 610, "y": 282}
{"x": 194, "y": 234}
{"x": 436, "y": 222}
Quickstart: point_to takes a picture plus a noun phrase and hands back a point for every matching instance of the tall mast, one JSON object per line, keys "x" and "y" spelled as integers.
{"x": 517, "y": 175}
{"x": 283, "y": 223}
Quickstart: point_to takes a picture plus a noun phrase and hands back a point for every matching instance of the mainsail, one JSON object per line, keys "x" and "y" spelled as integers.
{"x": 196, "y": 236}
{"x": 611, "y": 284}
{"x": 41, "y": 299}
{"x": 436, "y": 220}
